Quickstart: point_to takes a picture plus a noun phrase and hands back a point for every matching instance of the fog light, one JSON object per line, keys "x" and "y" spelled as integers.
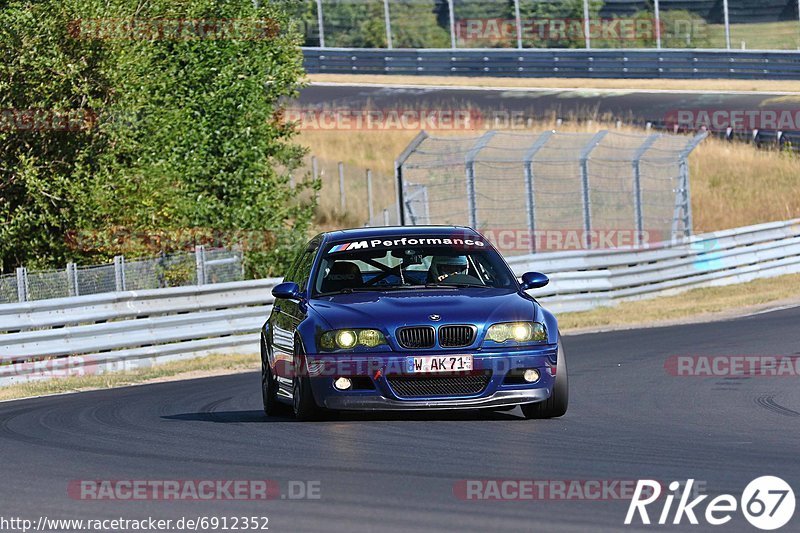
{"x": 531, "y": 375}
{"x": 345, "y": 383}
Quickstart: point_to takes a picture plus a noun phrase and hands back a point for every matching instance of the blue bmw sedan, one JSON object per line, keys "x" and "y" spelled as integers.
{"x": 413, "y": 317}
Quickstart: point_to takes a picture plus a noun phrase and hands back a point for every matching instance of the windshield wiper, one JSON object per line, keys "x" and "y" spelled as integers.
{"x": 453, "y": 285}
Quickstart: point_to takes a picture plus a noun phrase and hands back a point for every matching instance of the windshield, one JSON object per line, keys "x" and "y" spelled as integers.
{"x": 410, "y": 263}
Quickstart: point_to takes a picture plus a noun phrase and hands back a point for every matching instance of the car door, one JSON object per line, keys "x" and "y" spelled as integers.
{"x": 287, "y": 314}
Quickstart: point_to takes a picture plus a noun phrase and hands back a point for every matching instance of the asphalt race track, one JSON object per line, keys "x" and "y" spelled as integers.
{"x": 658, "y": 107}
{"x": 628, "y": 419}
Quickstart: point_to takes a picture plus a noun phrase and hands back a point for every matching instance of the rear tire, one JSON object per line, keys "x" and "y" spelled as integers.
{"x": 303, "y": 404}
{"x": 556, "y": 405}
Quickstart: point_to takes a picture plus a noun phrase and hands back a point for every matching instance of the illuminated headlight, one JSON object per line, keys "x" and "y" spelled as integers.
{"x": 345, "y": 339}
{"x": 516, "y": 331}
{"x": 342, "y": 383}
{"x": 531, "y": 375}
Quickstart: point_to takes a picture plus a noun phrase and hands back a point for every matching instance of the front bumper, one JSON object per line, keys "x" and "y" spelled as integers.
{"x": 372, "y": 369}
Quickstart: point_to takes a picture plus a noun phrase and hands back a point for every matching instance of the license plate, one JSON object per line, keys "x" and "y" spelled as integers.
{"x": 435, "y": 363}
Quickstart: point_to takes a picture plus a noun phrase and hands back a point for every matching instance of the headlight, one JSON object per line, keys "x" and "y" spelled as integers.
{"x": 345, "y": 339}
{"x": 516, "y": 331}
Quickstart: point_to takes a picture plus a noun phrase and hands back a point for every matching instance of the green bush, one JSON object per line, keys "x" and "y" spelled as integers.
{"x": 189, "y": 130}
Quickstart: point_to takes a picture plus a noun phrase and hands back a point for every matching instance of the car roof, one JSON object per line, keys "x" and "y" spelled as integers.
{"x": 396, "y": 231}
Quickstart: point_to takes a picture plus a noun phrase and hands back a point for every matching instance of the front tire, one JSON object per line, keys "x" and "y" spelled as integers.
{"x": 556, "y": 405}
{"x": 269, "y": 384}
{"x": 303, "y": 404}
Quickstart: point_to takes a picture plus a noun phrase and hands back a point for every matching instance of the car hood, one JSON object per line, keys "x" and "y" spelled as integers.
{"x": 392, "y": 309}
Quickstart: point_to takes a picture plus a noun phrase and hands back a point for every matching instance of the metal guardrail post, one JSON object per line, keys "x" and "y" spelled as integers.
{"x": 587, "y": 206}
{"x": 637, "y": 186}
{"x": 22, "y": 284}
{"x": 518, "y": 18}
{"x": 387, "y": 20}
{"x": 200, "y": 263}
{"x": 469, "y": 160}
{"x": 119, "y": 273}
{"x": 530, "y": 197}
{"x": 321, "y": 24}
{"x": 398, "y": 174}
{"x": 385, "y": 217}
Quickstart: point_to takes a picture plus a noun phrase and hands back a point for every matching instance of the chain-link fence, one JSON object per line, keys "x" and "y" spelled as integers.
{"x": 175, "y": 270}
{"x": 551, "y": 187}
{"x": 350, "y": 194}
{"x": 711, "y": 24}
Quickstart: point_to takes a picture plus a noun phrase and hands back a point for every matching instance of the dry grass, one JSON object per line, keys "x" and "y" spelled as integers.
{"x": 569, "y": 83}
{"x": 733, "y": 184}
{"x": 192, "y": 368}
{"x": 691, "y": 304}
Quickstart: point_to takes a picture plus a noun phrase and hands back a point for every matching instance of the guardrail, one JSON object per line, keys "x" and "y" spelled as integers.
{"x": 560, "y": 63}
{"x": 125, "y": 330}
{"x": 133, "y": 329}
{"x": 582, "y": 280}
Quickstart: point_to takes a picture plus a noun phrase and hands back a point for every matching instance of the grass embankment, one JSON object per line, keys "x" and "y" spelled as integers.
{"x": 733, "y": 184}
{"x": 568, "y": 83}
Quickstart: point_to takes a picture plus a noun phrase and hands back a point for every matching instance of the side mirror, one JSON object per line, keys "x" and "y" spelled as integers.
{"x": 288, "y": 291}
{"x": 534, "y": 280}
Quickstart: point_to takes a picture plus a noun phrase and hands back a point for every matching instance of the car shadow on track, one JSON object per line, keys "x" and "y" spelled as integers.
{"x": 239, "y": 417}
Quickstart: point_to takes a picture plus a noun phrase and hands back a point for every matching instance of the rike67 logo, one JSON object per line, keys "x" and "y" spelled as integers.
{"x": 767, "y": 503}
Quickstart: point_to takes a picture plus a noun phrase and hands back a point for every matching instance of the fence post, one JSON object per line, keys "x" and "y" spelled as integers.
{"x": 385, "y": 217}
{"x": 726, "y": 14}
{"x": 587, "y": 206}
{"x": 342, "y": 197}
{"x": 469, "y": 160}
{"x": 452, "y": 24}
{"x": 530, "y": 198}
{"x": 387, "y": 19}
{"x": 398, "y": 175}
{"x": 321, "y": 24}
{"x": 315, "y": 176}
{"x": 684, "y": 192}
{"x": 586, "y": 23}
{"x": 119, "y": 273}
{"x": 72, "y": 279}
{"x": 22, "y": 284}
{"x": 518, "y": 17}
{"x": 369, "y": 195}
{"x": 200, "y": 262}
{"x": 657, "y": 14}
{"x": 637, "y": 186}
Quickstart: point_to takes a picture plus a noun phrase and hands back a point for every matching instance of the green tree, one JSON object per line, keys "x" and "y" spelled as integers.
{"x": 190, "y": 132}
